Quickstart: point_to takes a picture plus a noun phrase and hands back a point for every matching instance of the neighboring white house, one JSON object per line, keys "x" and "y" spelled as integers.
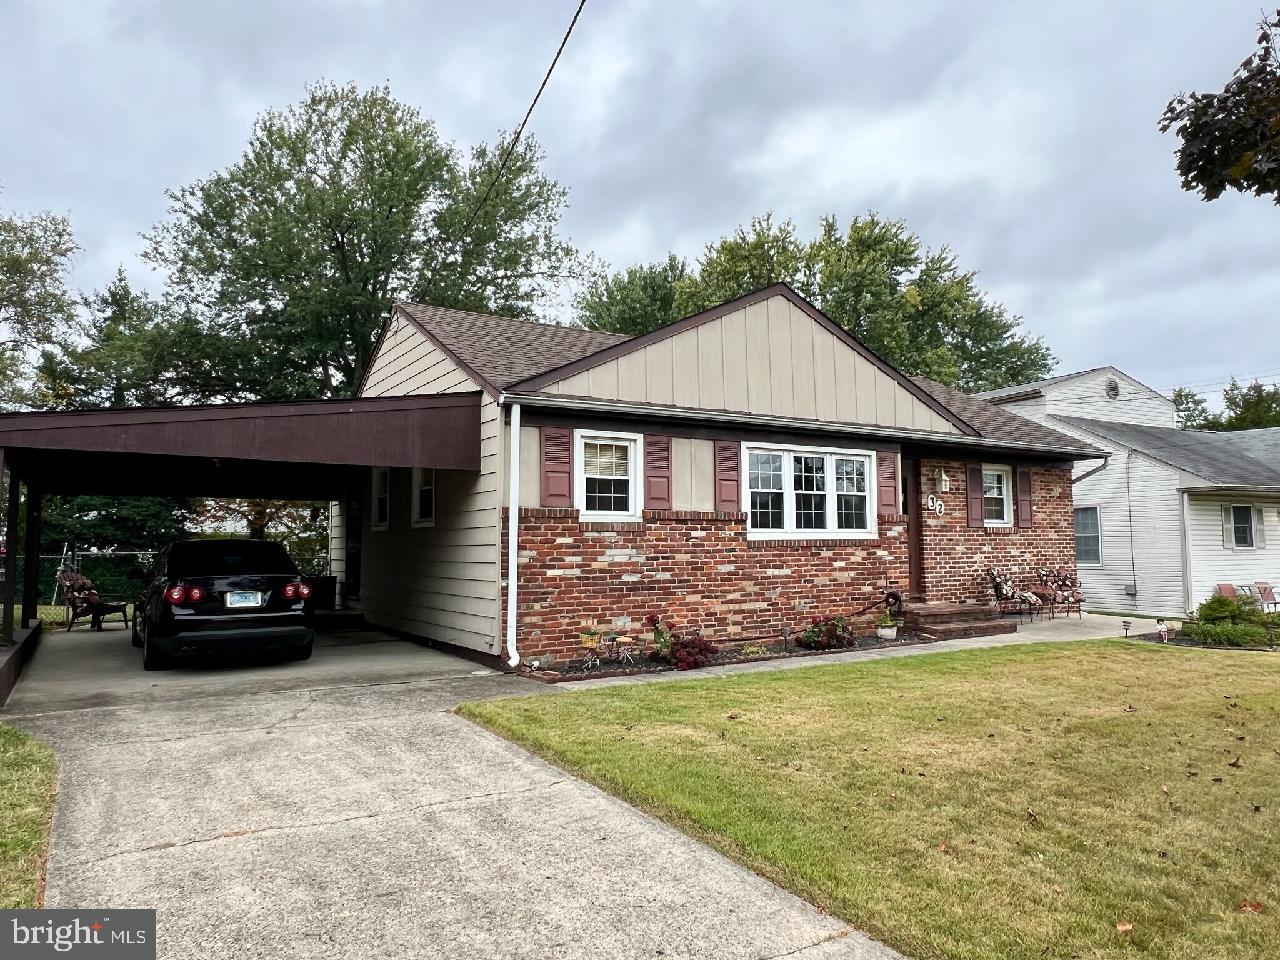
{"x": 1171, "y": 513}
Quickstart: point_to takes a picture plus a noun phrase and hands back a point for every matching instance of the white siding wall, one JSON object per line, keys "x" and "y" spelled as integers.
{"x": 439, "y": 582}
{"x": 1086, "y": 397}
{"x": 1212, "y": 562}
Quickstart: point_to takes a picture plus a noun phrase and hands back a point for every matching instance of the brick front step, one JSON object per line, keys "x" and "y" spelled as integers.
{"x": 926, "y": 613}
{"x": 959, "y": 630}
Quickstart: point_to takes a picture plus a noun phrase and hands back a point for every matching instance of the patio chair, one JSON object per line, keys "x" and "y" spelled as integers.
{"x": 84, "y": 601}
{"x": 1009, "y": 599}
{"x": 1067, "y": 592}
{"x": 1266, "y": 596}
{"x": 1227, "y": 590}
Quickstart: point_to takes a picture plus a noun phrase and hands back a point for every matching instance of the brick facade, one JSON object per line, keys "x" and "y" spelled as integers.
{"x": 699, "y": 568}
{"x": 955, "y": 556}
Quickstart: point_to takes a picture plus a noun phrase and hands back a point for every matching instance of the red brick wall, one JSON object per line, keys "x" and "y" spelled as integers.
{"x": 957, "y": 556}
{"x": 697, "y": 568}
{"x": 700, "y": 569}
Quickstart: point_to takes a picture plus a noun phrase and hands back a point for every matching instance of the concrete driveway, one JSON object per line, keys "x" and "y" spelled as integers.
{"x": 362, "y": 818}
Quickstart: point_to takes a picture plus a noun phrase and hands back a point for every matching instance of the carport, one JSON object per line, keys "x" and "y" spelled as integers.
{"x": 312, "y": 450}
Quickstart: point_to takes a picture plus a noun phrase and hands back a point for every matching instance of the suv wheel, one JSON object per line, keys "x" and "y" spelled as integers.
{"x": 153, "y": 659}
{"x": 135, "y": 633}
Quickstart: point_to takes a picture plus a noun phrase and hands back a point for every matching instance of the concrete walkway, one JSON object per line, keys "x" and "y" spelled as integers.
{"x": 1089, "y": 627}
{"x": 367, "y": 820}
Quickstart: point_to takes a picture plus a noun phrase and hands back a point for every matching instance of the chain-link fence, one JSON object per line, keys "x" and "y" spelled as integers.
{"x": 121, "y": 576}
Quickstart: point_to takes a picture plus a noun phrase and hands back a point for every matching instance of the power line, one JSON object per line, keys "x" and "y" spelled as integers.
{"x": 511, "y": 147}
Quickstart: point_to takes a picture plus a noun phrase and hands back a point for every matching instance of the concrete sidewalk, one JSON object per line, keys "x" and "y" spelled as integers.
{"x": 1091, "y": 626}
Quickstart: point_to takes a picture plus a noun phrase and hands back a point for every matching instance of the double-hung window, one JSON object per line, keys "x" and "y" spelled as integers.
{"x": 1088, "y": 537}
{"x": 1242, "y": 525}
{"x": 997, "y": 496}
{"x": 424, "y": 497}
{"x": 807, "y": 492}
{"x": 607, "y": 480}
{"x": 380, "y": 514}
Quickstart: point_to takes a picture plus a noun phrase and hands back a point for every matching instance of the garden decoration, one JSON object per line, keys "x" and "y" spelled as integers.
{"x": 1010, "y": 599}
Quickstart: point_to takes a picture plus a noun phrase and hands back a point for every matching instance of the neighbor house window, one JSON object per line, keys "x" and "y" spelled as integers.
{"x": 997, "y": 496}
{"x": 607, "y": 484}
{"x": 1242, "y": 525}
{"x": 800, "y": 491}
{"x": 380, "y": 515}
{"x": 424, "y": 497}
{"x": 1088, "y": 537}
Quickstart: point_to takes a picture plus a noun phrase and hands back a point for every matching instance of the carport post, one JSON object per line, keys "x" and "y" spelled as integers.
{"x": 10, "y": 554}
{"x": 31, "y": 556}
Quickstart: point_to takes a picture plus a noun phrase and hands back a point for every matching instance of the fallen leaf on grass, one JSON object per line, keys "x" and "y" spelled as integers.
{"x": 1032, "y": 815}
{"x": 1057, "y": 888}
{"x": 1124, "y": 927}
{"x": 1131, "y": 709}
{"x": 1248, "y": 907}
{"x": 1235, "y": 763}
{"x": 1164, "y": 788}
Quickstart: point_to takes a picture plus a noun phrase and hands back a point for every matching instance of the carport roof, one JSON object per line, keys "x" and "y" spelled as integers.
{"x": 301, "y": 449}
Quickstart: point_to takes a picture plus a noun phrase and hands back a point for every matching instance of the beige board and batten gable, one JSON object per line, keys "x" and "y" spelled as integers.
{"x": 437, "y": 582}
{"x": 768, "y": 358}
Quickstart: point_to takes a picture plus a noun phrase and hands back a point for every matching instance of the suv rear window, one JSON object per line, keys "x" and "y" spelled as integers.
{"x": 226, "y": 558}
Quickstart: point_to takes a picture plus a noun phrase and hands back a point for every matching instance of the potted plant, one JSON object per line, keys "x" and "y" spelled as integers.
{"x": 887, "y": 627}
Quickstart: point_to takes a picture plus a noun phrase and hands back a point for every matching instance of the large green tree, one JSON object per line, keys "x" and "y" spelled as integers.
{"x": 1231, "y": 140}
{"x": 340, "y": 205}
{"x": 1248, "y": 406}
{"x": 134, "y": 351}
{"x": 914, "y": 306}
{"x": 37, "y": 306}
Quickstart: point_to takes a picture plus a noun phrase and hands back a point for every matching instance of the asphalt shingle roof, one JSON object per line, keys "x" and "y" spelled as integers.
{"x": 1244, "y": 458}
{"x": 996, "y": 423}
{"x": 505, "y": 351}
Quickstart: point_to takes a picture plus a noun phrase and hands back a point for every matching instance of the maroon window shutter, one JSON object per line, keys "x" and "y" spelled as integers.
{"x": 657, "y": 473}
{"x": 973, "y": 488}
{"x": 1022, "y": 486}
{"x": 556, "y": 445}
{"x": 887, "y": 504}
{"x": 728, "y": 499}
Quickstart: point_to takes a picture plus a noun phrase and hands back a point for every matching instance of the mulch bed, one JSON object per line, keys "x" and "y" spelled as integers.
{"x": 570, "y": 670}
{"x": 1180, "y": 641}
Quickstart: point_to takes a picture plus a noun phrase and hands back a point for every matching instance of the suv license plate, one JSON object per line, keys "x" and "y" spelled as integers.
{"x": 244, "y": 598}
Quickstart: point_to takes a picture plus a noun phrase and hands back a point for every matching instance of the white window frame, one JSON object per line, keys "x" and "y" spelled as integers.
{"x": 635, "y": 474}
{"x": 1253, "y": 527}
{"x": 374, "y": 523}
{"x": 790, "y": 531}
{"x": 1007, "y": 472}
{"x": 1097, "y": 511}
{"x": 419, "y": 474}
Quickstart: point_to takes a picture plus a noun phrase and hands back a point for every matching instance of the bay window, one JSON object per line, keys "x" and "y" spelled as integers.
{"x": 805, "y": 492}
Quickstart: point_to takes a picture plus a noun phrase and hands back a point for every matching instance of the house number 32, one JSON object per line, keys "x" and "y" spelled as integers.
{"x": 936, "y": 505}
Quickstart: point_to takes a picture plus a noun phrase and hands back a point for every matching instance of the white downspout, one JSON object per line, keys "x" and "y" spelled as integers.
{"x": 513, "y": 532}
{"x": 1188, "y": 581}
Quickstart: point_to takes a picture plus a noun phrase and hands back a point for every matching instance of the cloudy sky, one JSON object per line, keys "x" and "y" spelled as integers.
{"x": 1022, "y": 135}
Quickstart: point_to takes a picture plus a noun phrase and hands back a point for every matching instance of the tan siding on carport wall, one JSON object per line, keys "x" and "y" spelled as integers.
{"x": 408, "y": 363}
{"x": 439, "y": 582}
{"x": 769, "y": 358}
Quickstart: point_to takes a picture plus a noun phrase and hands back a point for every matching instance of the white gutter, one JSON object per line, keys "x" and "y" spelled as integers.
{"x": 553, "y": 401}
{"x": 513, "y": 532}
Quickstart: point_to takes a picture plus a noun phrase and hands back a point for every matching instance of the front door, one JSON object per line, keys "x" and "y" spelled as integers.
{"x": 915, "y": 527}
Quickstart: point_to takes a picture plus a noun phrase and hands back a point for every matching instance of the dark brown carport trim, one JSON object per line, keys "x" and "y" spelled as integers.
{"x": 428, "y": 431}
{"x": 776, "y": 290}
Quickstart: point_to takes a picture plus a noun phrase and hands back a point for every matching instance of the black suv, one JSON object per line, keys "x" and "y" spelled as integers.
{"x": 222, "y": 596}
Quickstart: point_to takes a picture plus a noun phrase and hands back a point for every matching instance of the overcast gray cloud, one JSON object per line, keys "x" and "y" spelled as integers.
{"x": 1021, "y": 135}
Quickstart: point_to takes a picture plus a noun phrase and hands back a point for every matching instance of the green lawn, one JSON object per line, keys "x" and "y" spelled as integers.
{"x": 1016, "y": 802}
{"x": 28, "y": 775}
